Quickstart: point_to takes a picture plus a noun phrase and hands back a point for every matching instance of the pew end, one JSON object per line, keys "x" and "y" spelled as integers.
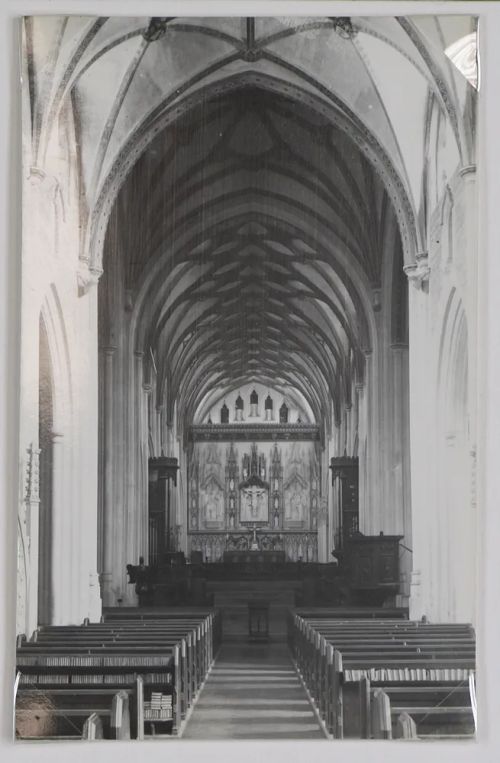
{"x": 120, "y": 716}
{"x": 406, "y": 728}
{"x": 92, "y": 728}
{"x": 381, "y": 721}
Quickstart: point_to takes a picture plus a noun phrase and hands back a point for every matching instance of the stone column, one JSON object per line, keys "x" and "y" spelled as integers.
{"x": 160, "y": 431}
{"x": 400, "y": 497}
{"x": 370, "y": 463}
{"x": 421, "y": 396}
{"x": 32, "y": 507}
{"x": 108, "y": 477}
{"x": 364, "y": 507}
{"x": 323, "y": 524}
{"x": 183, "y": 502}
{"x": 138, "y": 507}
{"x": 172, "y": 487}
{"x": 85, "y": 462}
{"x": 146, "y": 407}
{"x": 348, "y": 424}
{"x": 324, "y": 532}
{"x": 61, "y": 536}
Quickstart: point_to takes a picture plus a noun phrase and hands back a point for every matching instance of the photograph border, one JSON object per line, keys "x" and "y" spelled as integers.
{"x": 488, "y": 594}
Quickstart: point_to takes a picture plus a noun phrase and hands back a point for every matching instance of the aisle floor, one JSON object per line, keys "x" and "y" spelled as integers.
{"x": 253, "y": 692}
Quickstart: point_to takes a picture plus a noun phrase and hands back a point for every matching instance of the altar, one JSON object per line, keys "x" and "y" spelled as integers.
{"x": 256, "y": 557}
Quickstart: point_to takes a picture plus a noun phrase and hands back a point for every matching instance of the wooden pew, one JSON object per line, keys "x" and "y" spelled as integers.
{"x": 120, "y": 716}
{"x": 170, "y": 656}
{"x": 92, "y": 728}
{"x": 337, "y": 658}
{"x": 198, "y": 646}
{"x": 202, "y": 645}
{"x": 76, "y": 715}
{"x": 406, "y": 728}
{"x": 88, "y": 677}
{"x": 380, "y": 715}
{"x": 387, "y": 720}
{"x": 352, "y": 613}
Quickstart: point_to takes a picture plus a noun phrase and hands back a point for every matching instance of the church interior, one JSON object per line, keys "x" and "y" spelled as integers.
{"x": 248, "y": 378}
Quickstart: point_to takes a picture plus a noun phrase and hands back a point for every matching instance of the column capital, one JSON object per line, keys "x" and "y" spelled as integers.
{"x": 87, "y": 276}
{"x": 418, "y": 272}
{"x": 108, "y": 350}
{"x": 469, "y": 169}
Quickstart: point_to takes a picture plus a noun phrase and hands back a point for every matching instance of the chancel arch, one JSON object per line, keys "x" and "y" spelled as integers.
{"x": 265, "y": 264}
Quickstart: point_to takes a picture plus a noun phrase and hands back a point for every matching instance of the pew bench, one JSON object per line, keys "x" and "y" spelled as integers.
{"x": 198, "y": 643}
{"x": 337, "y": 659}
{"x": 170, "y": 658}
{"x": 383, "y": 719}
{"x": 67, "y": 712}
{"x": 87, "y": 673}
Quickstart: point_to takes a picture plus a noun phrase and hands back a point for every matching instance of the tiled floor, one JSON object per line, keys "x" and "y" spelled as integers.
{"x": 253, "y": 692}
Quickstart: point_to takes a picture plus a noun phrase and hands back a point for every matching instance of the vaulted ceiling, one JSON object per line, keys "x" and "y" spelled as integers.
{"x": 255, "y": 180}
{"x": 253, "y": 233}
{"x": 122, "y": 73}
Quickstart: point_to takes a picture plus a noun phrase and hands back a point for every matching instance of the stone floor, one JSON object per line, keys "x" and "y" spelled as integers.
{"x": 253, "y": 692}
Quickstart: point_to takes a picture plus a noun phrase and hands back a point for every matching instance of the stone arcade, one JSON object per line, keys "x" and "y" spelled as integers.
{"x": 249, "y": 318}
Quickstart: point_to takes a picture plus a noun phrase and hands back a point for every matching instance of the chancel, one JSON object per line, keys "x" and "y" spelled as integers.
{"x": 248, "y": 378}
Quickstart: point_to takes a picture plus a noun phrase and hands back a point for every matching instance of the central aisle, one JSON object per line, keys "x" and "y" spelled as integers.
{"x": 253, "y": 692}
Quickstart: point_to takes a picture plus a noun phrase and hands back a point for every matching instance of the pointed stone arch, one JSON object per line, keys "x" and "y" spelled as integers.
{"x": 335, "y": 110}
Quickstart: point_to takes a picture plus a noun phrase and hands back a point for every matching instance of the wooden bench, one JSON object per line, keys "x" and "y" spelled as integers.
{"x": 336, "y": 659}
{"x": 63, "y": 713}
{"x": 92, "y": 662}
{"x": 198, "y": 644}
{"x": 353, "y": 613}
{"x": 383, "y": 719}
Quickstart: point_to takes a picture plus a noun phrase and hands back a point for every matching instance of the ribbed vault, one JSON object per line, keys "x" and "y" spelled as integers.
{"x": 253, "y": 241}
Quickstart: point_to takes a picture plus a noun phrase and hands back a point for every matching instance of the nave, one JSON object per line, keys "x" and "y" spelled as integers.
{"x": 171, "y": 673}
{"x": 248, "y": 373}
